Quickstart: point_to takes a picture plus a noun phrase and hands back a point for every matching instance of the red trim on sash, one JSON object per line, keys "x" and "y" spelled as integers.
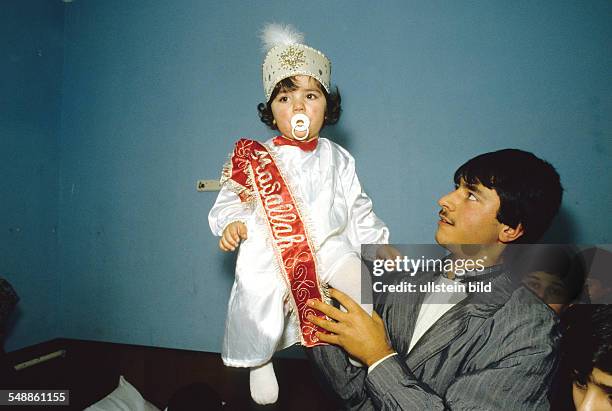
{"x": 254, "y": 170}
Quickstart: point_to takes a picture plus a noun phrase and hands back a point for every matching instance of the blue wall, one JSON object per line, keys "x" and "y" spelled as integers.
{"x": 154, "y": 94}
{"x": 31, "y": 47}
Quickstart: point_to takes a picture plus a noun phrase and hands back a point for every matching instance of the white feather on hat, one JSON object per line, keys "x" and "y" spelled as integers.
{"x": 274, "y": 34}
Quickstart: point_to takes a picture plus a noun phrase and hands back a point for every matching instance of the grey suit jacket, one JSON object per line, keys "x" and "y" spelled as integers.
{"x": 497, "y": 353}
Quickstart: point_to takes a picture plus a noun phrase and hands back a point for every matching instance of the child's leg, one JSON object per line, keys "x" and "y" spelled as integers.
{"x": 263, "y": 384}
{"x": 346, "y": 277}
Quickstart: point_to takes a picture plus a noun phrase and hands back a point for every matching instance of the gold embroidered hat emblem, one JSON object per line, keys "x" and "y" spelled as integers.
{"x": 292, "y": 58}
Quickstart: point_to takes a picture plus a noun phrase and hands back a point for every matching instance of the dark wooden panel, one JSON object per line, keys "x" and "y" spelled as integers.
{"x": 91, "y": 370}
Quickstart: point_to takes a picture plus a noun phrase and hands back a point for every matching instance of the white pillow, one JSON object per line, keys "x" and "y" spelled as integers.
{"x": 124, "y": 398}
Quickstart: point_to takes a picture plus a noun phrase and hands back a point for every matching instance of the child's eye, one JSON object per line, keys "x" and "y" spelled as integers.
{"x": 311, "y": 96}
{"x": 283, "y": 99}
{"x": 472, "y": 197}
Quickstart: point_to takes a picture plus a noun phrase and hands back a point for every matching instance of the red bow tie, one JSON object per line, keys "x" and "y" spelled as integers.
{"x": 304, "y": 145}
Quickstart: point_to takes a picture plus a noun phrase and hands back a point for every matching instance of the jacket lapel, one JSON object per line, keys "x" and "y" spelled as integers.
{"x": 400, "y": 313}
{"x": 455, "y": 322}
{"x": 400, "y": 321}
{"x": 446, "y": 330}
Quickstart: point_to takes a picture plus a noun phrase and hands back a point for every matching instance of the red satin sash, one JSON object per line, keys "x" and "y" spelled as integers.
{"x": 255, "y": 175}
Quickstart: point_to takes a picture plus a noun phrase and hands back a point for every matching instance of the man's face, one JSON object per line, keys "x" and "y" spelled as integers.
{"x": 549, "y": 288}
{"x": 469, "y": 216}
{"x": 595, "y": 394}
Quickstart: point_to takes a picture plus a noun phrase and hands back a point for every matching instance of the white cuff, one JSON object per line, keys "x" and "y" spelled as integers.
{"x": 371, "y": 367}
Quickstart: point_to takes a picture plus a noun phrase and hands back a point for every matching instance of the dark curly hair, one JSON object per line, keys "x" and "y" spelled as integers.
{"x": 586, "y": 344}
{"x": 332, "y": 112}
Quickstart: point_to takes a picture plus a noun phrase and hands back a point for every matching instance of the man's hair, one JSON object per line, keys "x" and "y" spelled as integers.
{"x": 332, "y": 112}
{"x": 586, "y": 344}
{"x": 602, "y": 335}
{"x": 588, "y": 340}
{"x": 528, "y": 187}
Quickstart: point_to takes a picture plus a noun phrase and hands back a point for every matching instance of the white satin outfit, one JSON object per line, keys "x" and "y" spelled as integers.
{"x": 339, "y": 218}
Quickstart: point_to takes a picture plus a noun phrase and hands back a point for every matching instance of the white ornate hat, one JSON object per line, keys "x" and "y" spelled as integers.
{"x": 287, "y": 56}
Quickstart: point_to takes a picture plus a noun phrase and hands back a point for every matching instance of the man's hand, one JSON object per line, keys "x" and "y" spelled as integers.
{"x": 362, "y": 336}
{"x": 232, "y": 235}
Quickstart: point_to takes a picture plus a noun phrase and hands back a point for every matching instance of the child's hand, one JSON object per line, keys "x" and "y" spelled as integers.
{"x": 232, "y": 235}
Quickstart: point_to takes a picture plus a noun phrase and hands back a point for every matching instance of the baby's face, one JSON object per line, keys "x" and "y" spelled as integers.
{"x": 307, "y": 99}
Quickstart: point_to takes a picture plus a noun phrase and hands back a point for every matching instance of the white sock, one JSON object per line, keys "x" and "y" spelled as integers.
{"x": 263, "y": 384}
{"x": 347, "y": 278}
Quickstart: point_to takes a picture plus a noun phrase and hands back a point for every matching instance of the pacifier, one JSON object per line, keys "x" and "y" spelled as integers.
{"x": 300, "y": 123}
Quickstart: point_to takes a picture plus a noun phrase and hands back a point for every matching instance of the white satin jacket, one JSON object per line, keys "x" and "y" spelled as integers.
{"x": 339, "y": 218}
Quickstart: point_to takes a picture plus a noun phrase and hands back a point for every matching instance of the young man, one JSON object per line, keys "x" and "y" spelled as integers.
{"x": 555, "y": 273}
{"x": 493, "y": 355}
{"x": 584, "y": 379}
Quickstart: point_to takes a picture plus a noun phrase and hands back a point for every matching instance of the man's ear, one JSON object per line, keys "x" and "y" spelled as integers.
{"x": 510, "y": 234}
